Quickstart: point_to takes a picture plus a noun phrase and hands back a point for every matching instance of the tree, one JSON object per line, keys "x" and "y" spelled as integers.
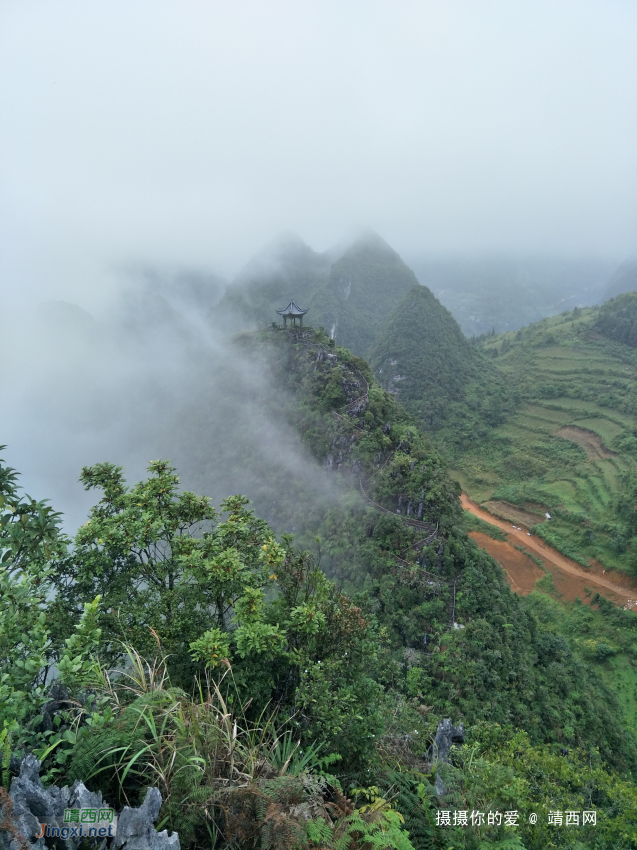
{"x": 165, "y": 569}
{"x": 29, "y": 537}
{"x": 214, "y": 592}
{"x": 29, "y": 534}
{"x": 29, "y": 530}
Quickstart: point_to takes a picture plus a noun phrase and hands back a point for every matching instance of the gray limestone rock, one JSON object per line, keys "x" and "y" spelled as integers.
{"x": 59, "y": 699}
{"x": 33, "y": 804}
{"x": 135, "y": 827}
{"x": 446, "y": 735}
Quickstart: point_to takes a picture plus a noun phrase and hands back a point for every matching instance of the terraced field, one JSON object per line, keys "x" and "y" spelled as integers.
{"x": 570, "y": 447}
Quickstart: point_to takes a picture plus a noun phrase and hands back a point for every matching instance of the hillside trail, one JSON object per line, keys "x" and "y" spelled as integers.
{"x": 625, "y": 596}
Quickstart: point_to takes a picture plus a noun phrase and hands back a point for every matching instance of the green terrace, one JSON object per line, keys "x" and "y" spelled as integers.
{"x": 570, "y": 445}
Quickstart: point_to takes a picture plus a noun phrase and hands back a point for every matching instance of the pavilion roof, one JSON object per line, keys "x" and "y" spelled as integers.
{"x": 292, "y": 310}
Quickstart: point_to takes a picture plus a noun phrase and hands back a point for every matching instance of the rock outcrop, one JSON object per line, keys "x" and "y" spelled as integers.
{"x": 30, "y": 804}
{"x": 135, "y": 827}
{"x": 446, "y": 735}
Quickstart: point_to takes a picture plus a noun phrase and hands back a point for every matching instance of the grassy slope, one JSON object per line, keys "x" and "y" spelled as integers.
{"x": 565, "y": 375}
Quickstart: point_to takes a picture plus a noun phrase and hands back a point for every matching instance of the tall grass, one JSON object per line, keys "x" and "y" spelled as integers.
{"x": 226, "y": 780}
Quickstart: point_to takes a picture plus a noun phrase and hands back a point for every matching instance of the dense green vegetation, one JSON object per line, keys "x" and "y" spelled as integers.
{"x": 443, "y": 381}
{"x": 617, "y": 319}
{"x": 285, "y": 698}
{"x": 364, "y": 286}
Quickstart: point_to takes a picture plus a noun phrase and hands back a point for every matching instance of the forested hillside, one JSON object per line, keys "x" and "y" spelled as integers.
{"x": 365, "y": 284}
{"x": 448, "y": 385}
{"x": 617, "y": 319}
{"x": 334, "y": 691}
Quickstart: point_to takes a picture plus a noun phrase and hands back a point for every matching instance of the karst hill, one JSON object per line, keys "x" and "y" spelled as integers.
{"x": 422, "y": 356}
{"x": 369, "y": 301}
{"x": 349, "y": 290}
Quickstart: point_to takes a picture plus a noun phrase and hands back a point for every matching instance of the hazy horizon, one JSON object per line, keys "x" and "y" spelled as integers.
{"x": 191, "y": 134}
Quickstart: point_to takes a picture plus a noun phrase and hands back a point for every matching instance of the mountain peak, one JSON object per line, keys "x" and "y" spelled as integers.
{"x": 287, "y": 248}
{"x": 423, "y": 358}
{"x": 360, "y": 239}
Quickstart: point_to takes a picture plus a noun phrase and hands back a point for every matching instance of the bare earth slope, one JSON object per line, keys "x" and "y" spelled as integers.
{"x": 618, "y": 589}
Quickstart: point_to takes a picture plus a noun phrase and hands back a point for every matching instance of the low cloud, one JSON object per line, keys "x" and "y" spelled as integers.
{"x": 147, "y": 378}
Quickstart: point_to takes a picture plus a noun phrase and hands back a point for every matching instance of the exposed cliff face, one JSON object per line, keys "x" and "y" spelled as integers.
{"x": 350, "y": 425}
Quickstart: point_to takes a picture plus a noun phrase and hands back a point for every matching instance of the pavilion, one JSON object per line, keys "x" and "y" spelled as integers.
{"x": 292, "y": 312}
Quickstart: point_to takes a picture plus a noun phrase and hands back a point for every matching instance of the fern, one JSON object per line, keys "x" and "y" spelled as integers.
{"x": 319, "y": 832}
{"x": 265, "y": 815}
{"x": 386, "y": 833}
{"x": 100, "y": 750}
{"x": 408, "y": 800}
{"x": 92, "y": 749}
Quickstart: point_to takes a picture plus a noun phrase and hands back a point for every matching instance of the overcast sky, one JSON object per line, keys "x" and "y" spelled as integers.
{"x": 193, "y": 132}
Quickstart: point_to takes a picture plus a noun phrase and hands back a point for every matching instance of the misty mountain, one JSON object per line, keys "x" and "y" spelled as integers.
{"x": 151, "y": 375}
{"x": 286, "y": 268}
{"x": 623, "y": 280}
{"x": 347, "y": 290}
{"x": 365, "y": 283}
{"x": 504, "y": 294}
{"x": 351, "y": 288}
{"x": 424, "y": 359}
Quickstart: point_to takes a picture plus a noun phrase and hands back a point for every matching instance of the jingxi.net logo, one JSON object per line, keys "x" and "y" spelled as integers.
{"x": 79, "y": 823}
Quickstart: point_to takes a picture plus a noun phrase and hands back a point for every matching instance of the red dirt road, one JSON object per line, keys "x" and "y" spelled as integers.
{"x": 569, "y": 577}
{"x": 521, "y": 571}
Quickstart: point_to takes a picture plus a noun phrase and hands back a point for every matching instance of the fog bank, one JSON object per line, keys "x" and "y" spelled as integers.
{"x": 191, "y": 133}
{"x": 147, "y": 378}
